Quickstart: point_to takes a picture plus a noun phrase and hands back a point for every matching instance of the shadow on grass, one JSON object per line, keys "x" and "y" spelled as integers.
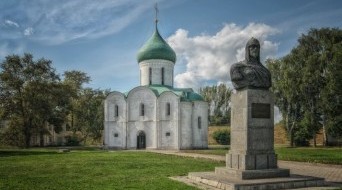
{"x": 8, "y": 153}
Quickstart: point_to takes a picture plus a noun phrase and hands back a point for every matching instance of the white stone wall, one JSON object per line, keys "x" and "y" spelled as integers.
{"x": 149, "y": 128}
{"x": 168, "y": 129}
{"x": 115, "y": 126}
{"x": 156, "y": 65}
{"x": 185, "y": 125}
{"x": 116, "y": 134}
{"x": 200, "y": 133}
{"x": 136, "y": 122}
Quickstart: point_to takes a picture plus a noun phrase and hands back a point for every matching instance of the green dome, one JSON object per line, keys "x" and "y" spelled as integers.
{"x": 156, "y": 48}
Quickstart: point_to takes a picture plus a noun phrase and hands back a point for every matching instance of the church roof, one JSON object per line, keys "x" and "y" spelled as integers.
{"x": 156, "y": 48}
{"x": 186, "y": 94}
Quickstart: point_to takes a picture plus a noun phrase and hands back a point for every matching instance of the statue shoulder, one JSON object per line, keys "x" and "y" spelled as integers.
{"x": 239, "y": 64}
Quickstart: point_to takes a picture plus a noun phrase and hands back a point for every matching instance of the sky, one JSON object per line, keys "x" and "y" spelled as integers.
{"x": 102, "y": 37}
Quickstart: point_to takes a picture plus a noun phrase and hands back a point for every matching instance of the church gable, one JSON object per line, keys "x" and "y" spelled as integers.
{"x": 141, "y": 104}
{"x": 168, "y": 106}
{"x": 115, "y": 106}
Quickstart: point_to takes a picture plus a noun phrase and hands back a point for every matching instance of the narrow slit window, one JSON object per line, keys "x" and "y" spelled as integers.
{"x": 142, "y": 109}
{"x": 116, "y": 111}
{"x": 199, "y": 122}
{"x": 162, "y": 76}
{"x": 168, "y": 109}
{"x": 150, "y": 75}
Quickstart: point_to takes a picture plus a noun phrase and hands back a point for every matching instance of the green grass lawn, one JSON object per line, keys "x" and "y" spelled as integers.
{"x": 310, "y": 154}
{"x": 301, "y": 154}
{"x": 95, "y": 169}
{"x": 46, "y": 169}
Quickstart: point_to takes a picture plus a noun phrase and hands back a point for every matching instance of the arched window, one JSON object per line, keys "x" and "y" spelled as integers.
{"x": 116, "y": 111}
{"x": 199, "y": 122}
{"x": 142, "y": 109}
{"x": 150, "y": 75}
{"x": 162, "y": 76}
{"x": 168, "y": 109}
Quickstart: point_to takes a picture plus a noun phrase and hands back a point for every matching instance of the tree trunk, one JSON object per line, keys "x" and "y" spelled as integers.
{"x": 291, "y": 139}
{"x": 41, "y": 138}
{"x": 325, "y": 139}
{"x": 27, "y": 137}
{"x": 288, "y": 130}
{"x": 292, "y": 135}
{"x": 27, "y": 132}
{"x": 72, "y": 122}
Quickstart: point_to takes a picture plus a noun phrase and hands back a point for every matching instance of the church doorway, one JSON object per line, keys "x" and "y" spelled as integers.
{"x": 141, "y": 140}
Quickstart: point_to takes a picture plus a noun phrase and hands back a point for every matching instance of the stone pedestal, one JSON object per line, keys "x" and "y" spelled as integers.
{"x": 251, "y": 152}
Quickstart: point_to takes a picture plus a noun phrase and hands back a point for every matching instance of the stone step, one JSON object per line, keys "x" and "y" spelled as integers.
{"x": 230, "y": 183}
{"x": 252, "y": 174}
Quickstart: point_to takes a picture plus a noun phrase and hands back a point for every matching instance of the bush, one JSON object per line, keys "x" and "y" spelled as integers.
{"x": 222, "y": 136}
{"x": 13, "y": 135}
{"x": 302, "y": 137}
{"x": 72, "y": 140}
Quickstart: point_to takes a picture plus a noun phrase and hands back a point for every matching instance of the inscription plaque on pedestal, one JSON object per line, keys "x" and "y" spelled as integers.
{"x": 260, "y": 110}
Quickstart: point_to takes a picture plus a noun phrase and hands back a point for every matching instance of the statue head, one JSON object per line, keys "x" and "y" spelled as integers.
{"x": 253, "y": 50}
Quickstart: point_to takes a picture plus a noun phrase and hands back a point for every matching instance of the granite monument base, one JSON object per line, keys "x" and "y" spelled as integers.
{"x": 252, "y": 174}
{"x": 218, "y": 181}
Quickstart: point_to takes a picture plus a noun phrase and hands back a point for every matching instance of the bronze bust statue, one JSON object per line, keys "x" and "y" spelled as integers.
{"x": 250, "y": 73}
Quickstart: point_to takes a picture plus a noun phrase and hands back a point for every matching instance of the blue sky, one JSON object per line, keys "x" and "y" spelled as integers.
{"x": 103, "y": 37}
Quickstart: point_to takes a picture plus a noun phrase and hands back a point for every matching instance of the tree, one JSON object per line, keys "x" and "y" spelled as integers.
{"x": 86, "y": 108}
{"x": 307, "y": 84}
{"x": 28, "y": 94}
{"x": 286, "y": 92}
{"x": 89, "y": 113}
{"x": 329, "y": 58}
{"x": 74, "y": 80}
{"x": 218, "y": 97}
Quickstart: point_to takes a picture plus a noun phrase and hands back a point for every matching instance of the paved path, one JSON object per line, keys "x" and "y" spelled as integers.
{"x": 331, "y": 173}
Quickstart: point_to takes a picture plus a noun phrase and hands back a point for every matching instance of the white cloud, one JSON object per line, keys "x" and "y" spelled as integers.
{"x": 209, "y": 57}
{"x": 11, "y": 23}
{"x": 28, "y": 31}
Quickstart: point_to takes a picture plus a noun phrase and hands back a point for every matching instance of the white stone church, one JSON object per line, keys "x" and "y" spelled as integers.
{"x": 155, "y": 115}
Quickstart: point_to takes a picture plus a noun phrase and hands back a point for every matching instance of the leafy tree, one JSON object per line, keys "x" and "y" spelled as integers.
{"x": 33, "y": 97}
{"x": 13, "y": 134}
{"x": 89, "y": 114}
{"x": 28, "y": 95}
{"x": 86, "y": 108}
{"x": 307, "y": 84}
{"x": 74, "y": 80}
{"x": 287, "y": 95}
{"x": 218, "y": 97}
{"x": 329, "y": 58}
